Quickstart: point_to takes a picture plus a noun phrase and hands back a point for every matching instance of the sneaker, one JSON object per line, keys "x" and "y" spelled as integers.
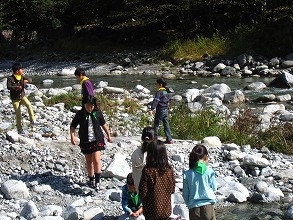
{"x": 33, "y": 123}
{"x": 168, "y": 142}
{"x": 91, "y": 184}
{"x": 97, "y": 188}
{"x": 21, "y": 132}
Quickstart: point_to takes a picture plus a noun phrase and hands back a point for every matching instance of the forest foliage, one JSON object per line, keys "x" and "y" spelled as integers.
{"x": 155, "y": 21}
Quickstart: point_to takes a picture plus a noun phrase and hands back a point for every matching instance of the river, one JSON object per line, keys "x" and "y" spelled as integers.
{"x": 178, "y": 85}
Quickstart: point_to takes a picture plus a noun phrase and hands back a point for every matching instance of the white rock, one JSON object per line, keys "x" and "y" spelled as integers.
{"x": 14, "y": 189}
{"x": 52, "y": 210}
{"x": 67, "y": 71}
{"x": 114, "y": 90}
{"x": 273, "y": 108}
{"x": 212, "y": 141}
{"x": 140, "y": 88}
{"x": 219, "y": 67}
{"x": 118, "y": 167}
{"x": 29, "y": 211}
{"x": 261, "y": 186}
{"x": 93, "y": 214}
{"x": 256, "y": 86}
{"x": 191, "y": 94}
{"x": 253, "y": 160}
{"x": 48, "y": 81}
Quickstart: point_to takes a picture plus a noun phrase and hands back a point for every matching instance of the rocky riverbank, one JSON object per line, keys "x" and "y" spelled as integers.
{"x": 43, "y": 176}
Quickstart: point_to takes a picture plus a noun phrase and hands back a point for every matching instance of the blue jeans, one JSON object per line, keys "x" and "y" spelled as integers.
{"x": 162, "y": 115}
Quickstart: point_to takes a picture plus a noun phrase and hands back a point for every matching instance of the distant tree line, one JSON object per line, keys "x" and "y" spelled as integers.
{"x": 143, "y": 19}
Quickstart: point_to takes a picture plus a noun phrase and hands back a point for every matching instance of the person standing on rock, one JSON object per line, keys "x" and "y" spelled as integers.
{"x": 16, "y": 84}
{"x": 160, "y": 105}
{"x": 157, "y": 183}
{"x": 90, "y": 120}
{"x": 86, "y": 85}
{"x": 138, "y": 157}
{"x": 199, "y": 186}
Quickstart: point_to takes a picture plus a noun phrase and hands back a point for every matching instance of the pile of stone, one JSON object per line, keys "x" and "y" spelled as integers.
{"x": 43, "y": 176}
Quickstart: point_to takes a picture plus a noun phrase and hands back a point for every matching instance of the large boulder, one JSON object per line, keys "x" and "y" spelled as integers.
{"x": 14, "y": 189}
{"x": 284, "y": 80}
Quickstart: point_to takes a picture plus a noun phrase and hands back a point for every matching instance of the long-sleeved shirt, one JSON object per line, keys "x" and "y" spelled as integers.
{"x": 12, "y": 84}
{"x": 81, "y": 119}
{"x": 86, "y": 90}
{"x": 161, "y": 99}
{"x": 198, "y": 189}
{"x": 138, "y": 160}
{"x": 126, "y": 201}
{"x": 155, "y": 190}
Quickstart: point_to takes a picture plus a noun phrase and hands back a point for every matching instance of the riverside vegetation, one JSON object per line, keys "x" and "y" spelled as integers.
{"x": 185, "y": 124}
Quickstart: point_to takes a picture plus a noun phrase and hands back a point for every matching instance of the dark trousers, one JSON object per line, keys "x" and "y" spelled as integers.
{"x": 162, "y": 115}
{"x": 205, "y": 212}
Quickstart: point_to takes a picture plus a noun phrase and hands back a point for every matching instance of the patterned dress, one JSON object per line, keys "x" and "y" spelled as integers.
{"x": 155, "y": 191}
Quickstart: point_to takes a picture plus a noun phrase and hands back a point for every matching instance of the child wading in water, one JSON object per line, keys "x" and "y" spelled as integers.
{"x": 199, "y": 186}
{"x": 130, "y": 200}
{"x": 90, "y": 120}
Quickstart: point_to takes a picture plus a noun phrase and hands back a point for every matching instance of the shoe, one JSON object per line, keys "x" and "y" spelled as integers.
{"x": 168, "y": 142}
{"x": 97, "y": 188}
{"x": 33, "y": 123}
{"x": 21, "y": 132}
{"x": 91, "y": 184}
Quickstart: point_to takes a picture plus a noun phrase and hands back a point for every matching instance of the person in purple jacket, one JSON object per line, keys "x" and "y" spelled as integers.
{"x": 86, "y": 85}
{"x": 160, "y": 105}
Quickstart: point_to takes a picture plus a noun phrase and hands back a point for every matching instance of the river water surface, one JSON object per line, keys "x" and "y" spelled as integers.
{"x": 178, "y": 85}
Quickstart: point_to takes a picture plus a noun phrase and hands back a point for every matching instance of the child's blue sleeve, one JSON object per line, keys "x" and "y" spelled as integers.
{"x": 185, "y": 190}
{"x": 125, "y": 199}
{"x": 213, "y": 181}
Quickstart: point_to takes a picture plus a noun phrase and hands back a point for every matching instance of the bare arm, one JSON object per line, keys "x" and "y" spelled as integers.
{"x": 106, "y": 129}
{"x": 72, "y": 136}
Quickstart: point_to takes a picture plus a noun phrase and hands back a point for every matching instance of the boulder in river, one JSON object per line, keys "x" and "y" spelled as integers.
{"x": 284, "y": 80}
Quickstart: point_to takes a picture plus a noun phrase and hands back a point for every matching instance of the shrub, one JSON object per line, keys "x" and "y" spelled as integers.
{"x": 70, "y": 100}
{"x": 188, "y": 125}
{"x": 278, "y": 138}
{"x": 106, "y": 103}
{"x": 193, "y": 49}
{"x": 131, "y": 106}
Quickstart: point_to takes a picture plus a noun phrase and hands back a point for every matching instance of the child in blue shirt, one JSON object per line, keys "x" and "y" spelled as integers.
{"x": 199, "y": 186}
{"x": 130, "y": 200}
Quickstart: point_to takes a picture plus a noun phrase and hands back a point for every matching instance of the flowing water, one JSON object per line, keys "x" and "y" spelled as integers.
{"x": 130, "y": 81}
{"x": 178, "y": 85}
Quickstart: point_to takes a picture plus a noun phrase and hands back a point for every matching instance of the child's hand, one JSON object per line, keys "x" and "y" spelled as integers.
{"x": 132, "y": 214}
{"x": 109, "y": 139}
{"x": 73, "y": 141}
{"x": 136, "y": 214}
{"x": 150, "y": 112}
